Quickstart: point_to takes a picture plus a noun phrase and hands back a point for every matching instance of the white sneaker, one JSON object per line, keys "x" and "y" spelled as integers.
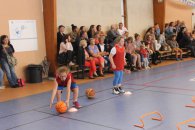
{"x": 2, "y": 87}
{"x": 115, "y": 91}
{"x": 121, "y": 90}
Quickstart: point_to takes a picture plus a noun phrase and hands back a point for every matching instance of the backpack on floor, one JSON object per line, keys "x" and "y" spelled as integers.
{"x": 21, "y": 82}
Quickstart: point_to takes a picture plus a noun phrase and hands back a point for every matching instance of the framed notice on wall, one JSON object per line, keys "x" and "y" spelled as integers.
{"x": 23, "y": 35}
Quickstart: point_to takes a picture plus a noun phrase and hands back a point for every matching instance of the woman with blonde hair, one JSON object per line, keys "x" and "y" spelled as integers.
{"x": 85, "y": 60}
{"x": 94, "y": 52}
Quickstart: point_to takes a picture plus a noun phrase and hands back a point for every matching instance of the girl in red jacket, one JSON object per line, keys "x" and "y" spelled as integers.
{"x": 117, "y": 60}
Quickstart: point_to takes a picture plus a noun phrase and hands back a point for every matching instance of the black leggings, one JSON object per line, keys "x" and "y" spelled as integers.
{"x": 155, "y": 56}
{"x": 65, "y": 58}
{"x": 129, "y": 59}
{"x": 69, "y": 56}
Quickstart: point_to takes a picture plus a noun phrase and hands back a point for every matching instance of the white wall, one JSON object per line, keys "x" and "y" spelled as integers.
{"x": 87, "y": 12}
{"x": 105, "y": 13}
{"x": 140, "y": 16}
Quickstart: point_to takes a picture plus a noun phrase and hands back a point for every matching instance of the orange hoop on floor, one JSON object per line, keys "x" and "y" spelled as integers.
{"x": 185, "y": 122}
{"x": 153, "y": 118}
{"x": 193, "y": 101}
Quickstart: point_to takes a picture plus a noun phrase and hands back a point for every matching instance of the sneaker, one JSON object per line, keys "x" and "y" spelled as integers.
{"x": 115, "y": 91}
{"x": 121, "y": 90}
{"x": 76, "y": 105}
{"x": 177, "y": 59}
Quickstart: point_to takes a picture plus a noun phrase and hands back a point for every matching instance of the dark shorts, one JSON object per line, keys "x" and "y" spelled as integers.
{"x": 73, "y": 86}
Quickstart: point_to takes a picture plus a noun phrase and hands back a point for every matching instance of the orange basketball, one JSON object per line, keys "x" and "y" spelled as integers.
{"x": 90, "y": 93}
{"x": 61, "y": 107}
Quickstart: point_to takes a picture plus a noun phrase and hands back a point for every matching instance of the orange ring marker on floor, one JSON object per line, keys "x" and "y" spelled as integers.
{"x": 153, "y": 118}
{"x": 193, "y": 100}
{"x": 185, "y": 122}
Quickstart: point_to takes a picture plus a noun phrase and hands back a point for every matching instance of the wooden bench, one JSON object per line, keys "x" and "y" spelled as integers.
{"x": 79, "y": 71}
{"x": 169, "y": 54}
{"x": 164, "y": 54}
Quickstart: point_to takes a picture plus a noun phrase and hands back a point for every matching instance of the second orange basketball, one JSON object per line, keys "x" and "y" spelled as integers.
{"x": 90, "y": 93}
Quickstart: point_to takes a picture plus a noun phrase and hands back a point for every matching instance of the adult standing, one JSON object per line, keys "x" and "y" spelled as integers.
{"x": 6, "y": 49}
{"x": 60, "y": 36}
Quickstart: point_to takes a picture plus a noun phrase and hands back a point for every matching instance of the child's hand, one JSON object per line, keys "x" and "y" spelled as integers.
{"x": 114, "y": 66}
{"x": 67, "y": 103}
{"x": 125, "y": 63}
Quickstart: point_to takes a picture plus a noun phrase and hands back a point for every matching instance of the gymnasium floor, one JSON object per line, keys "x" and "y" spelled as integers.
{"x": 165, "y": 89}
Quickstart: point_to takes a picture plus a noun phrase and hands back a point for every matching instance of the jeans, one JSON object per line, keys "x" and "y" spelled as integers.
{"x": 1, "y": 77}
{"x": 146, "y": 62}
{"x": 118, "y": 77}
{"x": 129, "y": 59}
{"x": 69, "y": 56}
{"x": 10, "y": 72}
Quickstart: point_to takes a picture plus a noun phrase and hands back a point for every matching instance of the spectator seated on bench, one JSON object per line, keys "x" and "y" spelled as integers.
{"x": 74, "y": 35}
{"x": 112, "y": 35}
{"x": 104, "y": 52}
{"x": 66, "y": 52}
{"x": 162, "y": 41}
{"x": 94, "y": 52}
{"x": 137, "y": 42}
{"x": 99, "y": 30}
{"x": 96, "y": 38}
{"x": 149, "y": 44}
{"x": 84, "y": 59}
{"x": 175, "y": 46}
{"x": 91, "y": 31}
{"x": 131, "y": 55}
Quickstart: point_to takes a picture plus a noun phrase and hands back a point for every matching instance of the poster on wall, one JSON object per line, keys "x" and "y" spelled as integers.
{"x": 23, "y": 35}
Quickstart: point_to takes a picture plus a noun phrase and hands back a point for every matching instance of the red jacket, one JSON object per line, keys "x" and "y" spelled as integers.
{"x": 144, "y": 52}
{"x": 64, "y": 83}
{"x": 118, "y": 58}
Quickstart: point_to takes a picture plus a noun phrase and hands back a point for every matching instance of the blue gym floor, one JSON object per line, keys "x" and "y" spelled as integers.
{"x": 166, "y": 89}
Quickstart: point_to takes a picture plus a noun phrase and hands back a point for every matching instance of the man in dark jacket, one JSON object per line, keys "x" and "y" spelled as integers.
{"x": 60, "y": 36}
